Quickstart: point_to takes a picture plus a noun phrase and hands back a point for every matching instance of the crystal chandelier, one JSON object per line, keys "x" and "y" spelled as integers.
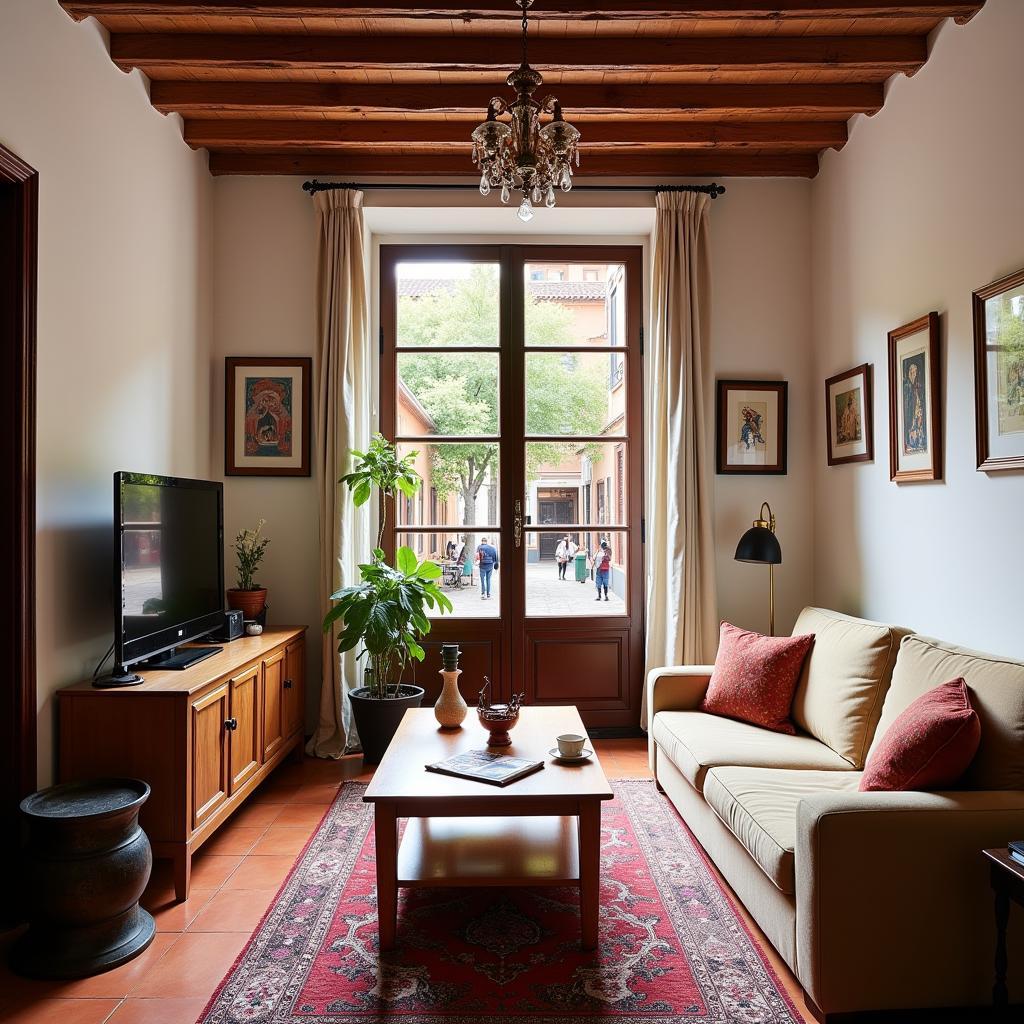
{"x": 523, "y": 155}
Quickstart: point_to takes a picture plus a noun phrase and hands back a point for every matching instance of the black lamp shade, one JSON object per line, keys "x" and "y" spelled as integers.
{"x": 759, "y": 544}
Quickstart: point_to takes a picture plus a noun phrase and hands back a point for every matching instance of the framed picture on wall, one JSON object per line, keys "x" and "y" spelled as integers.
{"x": 999, "y": 373}
{"x": 267, "y": 415}
{"x": 915, "y": 401}
{"x": 849, "y": 426}
{"x": 751, "y": 426}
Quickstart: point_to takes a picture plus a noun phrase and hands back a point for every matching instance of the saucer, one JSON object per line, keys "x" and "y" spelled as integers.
{"x": 585, "y": 756}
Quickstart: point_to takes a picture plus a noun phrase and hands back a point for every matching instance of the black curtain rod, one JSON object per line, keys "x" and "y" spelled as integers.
{"x": 714, "y": 189}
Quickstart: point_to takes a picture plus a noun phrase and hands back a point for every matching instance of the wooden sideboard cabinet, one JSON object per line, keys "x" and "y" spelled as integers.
{"x": 203, "y": 738}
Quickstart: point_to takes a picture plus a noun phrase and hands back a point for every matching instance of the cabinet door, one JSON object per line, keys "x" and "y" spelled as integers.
{"x": 294, "y": 687}
{"x": 210, "y": 728}
{"x": 273, "y": 704}
{"x": 245, "y": 731}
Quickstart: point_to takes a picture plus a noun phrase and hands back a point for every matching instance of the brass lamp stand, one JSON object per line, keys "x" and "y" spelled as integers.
{"x": 760, "y": 545}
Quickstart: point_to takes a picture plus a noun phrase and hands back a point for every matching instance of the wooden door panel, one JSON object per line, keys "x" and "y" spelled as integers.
{"x": 589, "y": 671}
{"x": 209, "y": 753}
{"x": 294, "y": 688}
{"x": 273, "y": 704}
{"x": 244, "y": 732}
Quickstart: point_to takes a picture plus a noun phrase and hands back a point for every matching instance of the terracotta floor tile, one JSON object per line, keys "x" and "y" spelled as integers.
{"x": 283, "y": 841}
{"x": 61, "y": 1011}
{"x": 257, "y": 814}
{"x": 171, "y": 916}
{"x": 233, "y": 839}
{"x": 158, "y": 1011}
{"x": 322, "y": 793}
{"x": 266, "y": 872}
{"x": 301, "y": 814}
{"x": 209, "y": 870}
{"x": 234, "y": 910}
{"x": 192, "y": 967}
{"x": 274, "y": 793}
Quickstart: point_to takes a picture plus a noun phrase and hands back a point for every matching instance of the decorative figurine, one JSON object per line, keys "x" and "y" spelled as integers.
{"x": 498, "y": 719}
{"x": 450, "y": 709}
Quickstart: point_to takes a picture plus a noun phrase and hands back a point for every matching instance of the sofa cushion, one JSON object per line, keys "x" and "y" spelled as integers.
{"x": 930, "y": 745}
{"x": 758, "y": 805}
{"x": 996, "y": 688}
{"x": 840, "y": 693}
{"x": 694, "y": 742}
{"x": 755, "y": 676}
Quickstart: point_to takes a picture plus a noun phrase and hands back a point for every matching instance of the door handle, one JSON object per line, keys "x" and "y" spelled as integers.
{"x": 517, "y": 523}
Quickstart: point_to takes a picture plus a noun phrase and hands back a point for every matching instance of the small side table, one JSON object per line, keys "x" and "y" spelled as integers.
{"x": 1007, "y": 884}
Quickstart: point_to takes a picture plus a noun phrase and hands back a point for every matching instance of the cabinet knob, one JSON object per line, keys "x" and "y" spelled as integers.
{"x": 231, "y": 723}
{"x": 287, "y": 684}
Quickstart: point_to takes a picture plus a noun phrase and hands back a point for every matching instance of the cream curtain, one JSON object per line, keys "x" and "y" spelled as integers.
{"x": 343, "y": 423}
{"x": 682, "y": 612}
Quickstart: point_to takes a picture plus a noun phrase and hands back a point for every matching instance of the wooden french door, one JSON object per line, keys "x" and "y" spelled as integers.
{"x": 515, "y": 373}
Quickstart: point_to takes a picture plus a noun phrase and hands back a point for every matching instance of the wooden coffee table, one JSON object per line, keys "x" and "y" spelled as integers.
{"x": 465, "y": 833}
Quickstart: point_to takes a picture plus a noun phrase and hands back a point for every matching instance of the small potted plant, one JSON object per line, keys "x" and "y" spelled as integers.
{"x": 385, "y": 613}
{"x": 250, "y": 596}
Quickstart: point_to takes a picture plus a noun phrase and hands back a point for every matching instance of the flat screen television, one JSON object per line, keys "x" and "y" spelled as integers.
{"x": 169, "y": 569}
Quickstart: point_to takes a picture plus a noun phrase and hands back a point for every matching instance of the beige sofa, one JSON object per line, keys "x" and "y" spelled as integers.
{"x": 877, "y": 901}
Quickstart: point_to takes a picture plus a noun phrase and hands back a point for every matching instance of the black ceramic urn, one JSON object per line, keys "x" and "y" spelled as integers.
{"x": 86, "y": 865}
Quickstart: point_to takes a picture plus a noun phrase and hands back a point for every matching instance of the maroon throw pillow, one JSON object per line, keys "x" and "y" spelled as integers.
{"x": 930, "y": 744}
{"x": 755, "y": 677}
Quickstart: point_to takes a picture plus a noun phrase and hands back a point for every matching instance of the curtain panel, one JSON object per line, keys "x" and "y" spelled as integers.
{"x": 682, "y": 610}
{"x": 343, "y": 390}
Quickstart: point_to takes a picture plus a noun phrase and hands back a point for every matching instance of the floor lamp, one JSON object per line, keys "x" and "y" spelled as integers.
{"x": 760, "y": 545}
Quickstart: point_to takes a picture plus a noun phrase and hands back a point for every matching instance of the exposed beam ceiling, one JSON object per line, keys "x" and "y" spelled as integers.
{"x": 658, "y": 90}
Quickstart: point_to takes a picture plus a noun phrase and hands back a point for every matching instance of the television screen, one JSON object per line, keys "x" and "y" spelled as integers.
{"x": 171, "y": 562}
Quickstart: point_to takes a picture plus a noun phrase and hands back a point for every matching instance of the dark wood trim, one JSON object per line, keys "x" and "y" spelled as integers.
{"x": 722, "y": 387}
{"x": 868, "y": 418}
{"x": 19, "y": 219}
{"x": 230, "y": 364}
{"x": 986, "y": 462}
{"x": 930, "y": 323}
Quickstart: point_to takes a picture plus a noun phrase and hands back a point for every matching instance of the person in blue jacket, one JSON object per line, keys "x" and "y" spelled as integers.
{"x": 487, "y": 556}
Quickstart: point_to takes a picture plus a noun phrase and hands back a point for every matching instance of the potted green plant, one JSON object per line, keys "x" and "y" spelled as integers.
{"x": 250, "y": 547}
{"x": 386, "y": 612}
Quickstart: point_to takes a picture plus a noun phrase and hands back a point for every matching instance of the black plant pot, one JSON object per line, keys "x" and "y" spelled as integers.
{"x": 86, "y": 866}
{"x": 377, "y": 721}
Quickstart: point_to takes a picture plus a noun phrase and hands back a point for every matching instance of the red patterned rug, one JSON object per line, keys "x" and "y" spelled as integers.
{"x": 672, "y": 946}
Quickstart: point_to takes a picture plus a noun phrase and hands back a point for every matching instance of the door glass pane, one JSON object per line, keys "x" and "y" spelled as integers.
{"x": 463, "y": 578}
{"x": 459, "y": 486}
{"x": 575, "y": 482}
{"x": 575, "y": 304}
{"x": 572, "y": 591}
{"x": 447, "y": 393}
{"x": 444, "y": 304}
{"x": 576, "y": 393}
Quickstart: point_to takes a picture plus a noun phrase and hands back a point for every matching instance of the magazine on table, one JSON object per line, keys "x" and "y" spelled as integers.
{"x": 483, "y": 766}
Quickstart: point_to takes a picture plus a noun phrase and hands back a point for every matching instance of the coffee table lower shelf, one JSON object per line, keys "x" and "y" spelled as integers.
{"x": 535, "y": 851}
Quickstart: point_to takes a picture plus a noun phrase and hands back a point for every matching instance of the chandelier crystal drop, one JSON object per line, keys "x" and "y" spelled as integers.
{"x": 522, "y": 154}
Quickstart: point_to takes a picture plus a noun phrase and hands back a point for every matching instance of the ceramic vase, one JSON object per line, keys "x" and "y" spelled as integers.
{"x": 450, "y": 709}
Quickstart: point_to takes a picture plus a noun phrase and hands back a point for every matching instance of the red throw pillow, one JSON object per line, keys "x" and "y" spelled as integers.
{"x": 755, "y": 677}
{"x": 930, "y": 745}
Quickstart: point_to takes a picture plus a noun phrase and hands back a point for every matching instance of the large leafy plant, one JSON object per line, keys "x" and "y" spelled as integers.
{"x": 387, "y": 611}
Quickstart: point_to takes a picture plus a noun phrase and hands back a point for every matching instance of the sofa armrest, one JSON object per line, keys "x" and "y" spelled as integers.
{"x": 894, "y": 907}
{"x": 675, "y": 688}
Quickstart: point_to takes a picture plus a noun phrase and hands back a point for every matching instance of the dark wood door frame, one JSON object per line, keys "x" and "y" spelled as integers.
{"x": 19, "y": 204}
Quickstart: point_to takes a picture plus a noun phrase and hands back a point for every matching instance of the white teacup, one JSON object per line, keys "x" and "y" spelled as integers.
{"x": 570, "y": 745}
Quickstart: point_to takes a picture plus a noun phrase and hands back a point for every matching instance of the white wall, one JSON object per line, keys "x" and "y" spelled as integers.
{"x": 923, "y": 206}
{"x": 123, "y": 314}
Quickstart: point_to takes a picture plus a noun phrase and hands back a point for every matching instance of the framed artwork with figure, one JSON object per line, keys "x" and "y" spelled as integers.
{"x": 849, "y": 423}
{"x": 751, "y": 426}
{"x": 267, "y": 415}
{"x": 915, "y": 401}
{"x": 999, "y": 373}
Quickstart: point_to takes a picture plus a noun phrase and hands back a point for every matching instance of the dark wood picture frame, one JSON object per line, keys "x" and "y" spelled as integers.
{"x": 780, "y": 388}
{"x": 930, "y": 323}
{"x": 864, "y": 372}
{"x": 987, "y": 462}
{"x": 302, "y": 363}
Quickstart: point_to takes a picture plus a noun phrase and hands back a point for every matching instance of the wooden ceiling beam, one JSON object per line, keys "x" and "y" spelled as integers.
{"x": 196, "y": 98}
{"x": 426, "y": 166}
{"x": 504, "y": 10}
{"x": 888, "y": 54}
{"x": 223, "y": 134}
